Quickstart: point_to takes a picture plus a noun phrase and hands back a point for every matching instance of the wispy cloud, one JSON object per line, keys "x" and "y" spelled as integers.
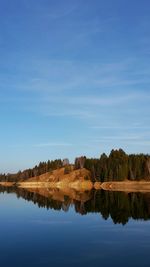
{"x": 69, "y": 112}
{"x": 122, "y": 140}
{"x": 106, "y": 100}
{"x": 125, "y": 137}
{"x": 52, "y": 144}
{"x": 43, "y": 145}
{"x": 120, "y": 127}
{"x": 71, "y": 75}
{"x": 50, "y": 12}
{"x": 63, "y": 12}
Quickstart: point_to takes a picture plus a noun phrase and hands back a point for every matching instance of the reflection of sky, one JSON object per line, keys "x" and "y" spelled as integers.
{"x": 32, "y": 236}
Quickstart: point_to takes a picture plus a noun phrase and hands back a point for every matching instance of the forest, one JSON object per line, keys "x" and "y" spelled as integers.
{"x": 39, "y": 169}
{"x": 117, "y": 166}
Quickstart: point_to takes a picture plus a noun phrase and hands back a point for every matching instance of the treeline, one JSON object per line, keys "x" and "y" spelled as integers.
{"x": 42, "y": 168}
{"x": 118, "y": 166}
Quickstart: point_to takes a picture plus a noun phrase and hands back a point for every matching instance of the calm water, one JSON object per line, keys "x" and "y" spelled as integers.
{"x": 97, "y": 228}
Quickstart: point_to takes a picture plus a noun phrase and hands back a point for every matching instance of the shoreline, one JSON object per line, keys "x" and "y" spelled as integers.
{"x": 124, "y": 186}
{"x": 7, "y": 184}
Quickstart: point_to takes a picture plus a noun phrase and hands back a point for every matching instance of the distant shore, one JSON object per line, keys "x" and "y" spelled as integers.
{"x": 125, "y": 186}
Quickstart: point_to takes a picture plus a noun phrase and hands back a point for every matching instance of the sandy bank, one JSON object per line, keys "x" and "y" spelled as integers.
{"x": 126, "y": 186}
{"x": 7, "y": 184}
{"x": 78, "y": 185}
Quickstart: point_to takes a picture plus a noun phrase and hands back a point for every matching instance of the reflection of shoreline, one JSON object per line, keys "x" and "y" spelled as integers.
{"x": 119, "y": 206}
{"x": 124, "y": 186}
{"x": 61, "y": 194}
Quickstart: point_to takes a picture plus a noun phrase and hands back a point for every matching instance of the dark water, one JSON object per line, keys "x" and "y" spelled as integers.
{"x": 55, "y": 228}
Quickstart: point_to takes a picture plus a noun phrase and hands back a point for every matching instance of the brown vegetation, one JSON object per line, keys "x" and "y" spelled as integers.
{"x": 59, "y": 178}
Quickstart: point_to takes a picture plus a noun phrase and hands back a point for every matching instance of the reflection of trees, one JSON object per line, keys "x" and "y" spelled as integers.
{"x": 117, "y": 205}
{"x": 120, "y": 206}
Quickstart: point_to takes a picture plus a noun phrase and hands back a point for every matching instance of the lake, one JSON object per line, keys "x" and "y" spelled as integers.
{"x": 44, "y": 227}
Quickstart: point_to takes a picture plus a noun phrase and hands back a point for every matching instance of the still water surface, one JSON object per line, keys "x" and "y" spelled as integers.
{"x": 93, "y": 229}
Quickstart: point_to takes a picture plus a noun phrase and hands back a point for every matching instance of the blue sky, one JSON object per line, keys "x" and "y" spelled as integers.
{"x": 74, "y": 79}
